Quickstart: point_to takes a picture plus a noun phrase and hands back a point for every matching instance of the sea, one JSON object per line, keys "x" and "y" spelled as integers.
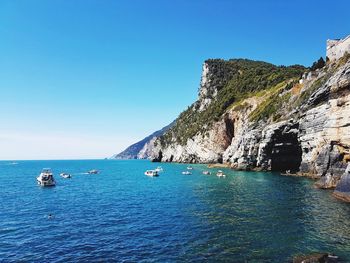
{"x": 122, "y": 215}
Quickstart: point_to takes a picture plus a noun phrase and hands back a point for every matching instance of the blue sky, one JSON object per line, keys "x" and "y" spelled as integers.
{"x": 84, "y": 79}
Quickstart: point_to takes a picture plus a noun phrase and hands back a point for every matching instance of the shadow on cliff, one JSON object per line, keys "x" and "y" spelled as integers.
{"x": 286, "y": 152}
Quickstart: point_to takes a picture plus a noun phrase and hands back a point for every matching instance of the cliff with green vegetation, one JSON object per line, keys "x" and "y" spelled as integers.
{"x": 227, "y": 84}
{"x": 253, "y": 115}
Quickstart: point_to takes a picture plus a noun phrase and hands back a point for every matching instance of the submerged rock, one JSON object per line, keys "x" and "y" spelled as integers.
{"x": 316, "y": 258}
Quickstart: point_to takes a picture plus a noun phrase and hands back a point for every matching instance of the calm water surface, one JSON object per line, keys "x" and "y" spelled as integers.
{"x": 123, "y": 215}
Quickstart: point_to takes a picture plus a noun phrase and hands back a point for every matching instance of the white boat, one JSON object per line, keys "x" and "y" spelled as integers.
{"x": 159, "y": 169}
{"x": 220, "y": 174}
{"x": 186, "y": 172}
{"x": 93, "y": 172}
{"x": 152, "y": 173}
{"x": 189, "y": 168}
{"x": 46, "y": 178}
{"x": 206, "y": 172}
{"x": 65, "y": 175}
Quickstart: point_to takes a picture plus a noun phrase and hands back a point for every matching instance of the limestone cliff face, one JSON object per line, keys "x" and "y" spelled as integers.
{"x": 308, "y": 132}
{"x": 253, "y": 115}
{"x": 210, "y": 146}
{"x": 214, "y": 78}
{"x": 313, "y": 139}
{"x": 202, "y": 148}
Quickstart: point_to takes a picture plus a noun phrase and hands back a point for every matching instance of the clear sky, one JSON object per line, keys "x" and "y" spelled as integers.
{"x": 84, "y": 79}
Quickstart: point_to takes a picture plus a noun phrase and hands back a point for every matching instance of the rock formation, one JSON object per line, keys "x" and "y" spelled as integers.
{"x": 342, "y": 189}
{"x": 257, "y": 116}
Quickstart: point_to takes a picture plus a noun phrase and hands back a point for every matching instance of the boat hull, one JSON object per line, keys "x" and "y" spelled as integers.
{"x": 152, "y": 175}
{"x": 45, "y": 183}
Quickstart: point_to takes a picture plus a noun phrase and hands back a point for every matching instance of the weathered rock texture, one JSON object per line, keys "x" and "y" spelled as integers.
{"x": 336, "y": 48}
{"x": 342, "y": 190}
{"x": 310, "y": 136}
{"x": 298, "y": 126}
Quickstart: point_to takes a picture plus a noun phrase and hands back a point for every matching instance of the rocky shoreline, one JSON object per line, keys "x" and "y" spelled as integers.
{"x": 311, "y": 140}
{"x": 297, "y": 124}
{"x": 338, "y": 192}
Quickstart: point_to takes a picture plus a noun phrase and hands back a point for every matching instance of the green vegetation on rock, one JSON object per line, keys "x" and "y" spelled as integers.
{"x": 235, "y": 80}
{"x": 318, "y": 64}
{"x": 273, "y": 102}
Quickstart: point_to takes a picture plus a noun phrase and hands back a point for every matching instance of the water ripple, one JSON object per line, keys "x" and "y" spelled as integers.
{"x": 122, "y": 215}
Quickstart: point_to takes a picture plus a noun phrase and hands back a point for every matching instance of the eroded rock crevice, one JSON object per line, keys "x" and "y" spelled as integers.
{"x": 304, "y": 129}
{"x": 230, "y": 129}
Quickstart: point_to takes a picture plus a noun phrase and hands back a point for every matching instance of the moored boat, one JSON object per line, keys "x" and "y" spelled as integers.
{"x": 289, "y": 173}
{"x": 220, "y": 174}
{"x": 206, "y": 172}
{"x": 46, "y": 178}
{"x": 65, "y": 175}
{"x": 159, "y": 169}
{"x": 189, "y": 168}
{"x": 186, "y": 172}
{"x": 152, "y": 173}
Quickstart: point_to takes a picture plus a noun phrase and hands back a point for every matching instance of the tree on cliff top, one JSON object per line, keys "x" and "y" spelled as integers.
{"x": 318, "y": 64}
{"x": 235, "y": 80}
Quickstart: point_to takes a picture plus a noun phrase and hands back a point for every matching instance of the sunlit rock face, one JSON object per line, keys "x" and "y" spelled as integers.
{"x": 312, "y": 138}
{"x": 200, "y": 149}
{"x": 300, "y": 126}
{"x": 213, "y": 79}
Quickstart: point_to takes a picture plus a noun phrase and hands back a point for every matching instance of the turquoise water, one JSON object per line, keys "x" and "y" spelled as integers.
{"x": 123, "y": 215}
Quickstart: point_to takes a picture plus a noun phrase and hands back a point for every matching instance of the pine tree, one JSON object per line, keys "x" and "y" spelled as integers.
{"x": 318, "y": 64}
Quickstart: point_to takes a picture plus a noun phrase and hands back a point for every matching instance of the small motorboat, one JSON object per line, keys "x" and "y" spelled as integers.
{"x": 159, "y": 169}
{"x": 152, "y": 173}
{"x": 46, "y": 178}
{"x": 220, "y": 174}
{"x": 93, "y": 172}
{"x": 289, "y": 173}
{"x": 65, "y": 175}
{"x": 189, "y": 168}
{"x": 206, "y": 172}
{"x": 186, "y": 172}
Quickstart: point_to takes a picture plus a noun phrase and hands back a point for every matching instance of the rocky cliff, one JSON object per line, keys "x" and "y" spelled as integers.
{"x": 224, "y": 124}
{"x": 252, "y": 115}
{"x": 255, "y": 116}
